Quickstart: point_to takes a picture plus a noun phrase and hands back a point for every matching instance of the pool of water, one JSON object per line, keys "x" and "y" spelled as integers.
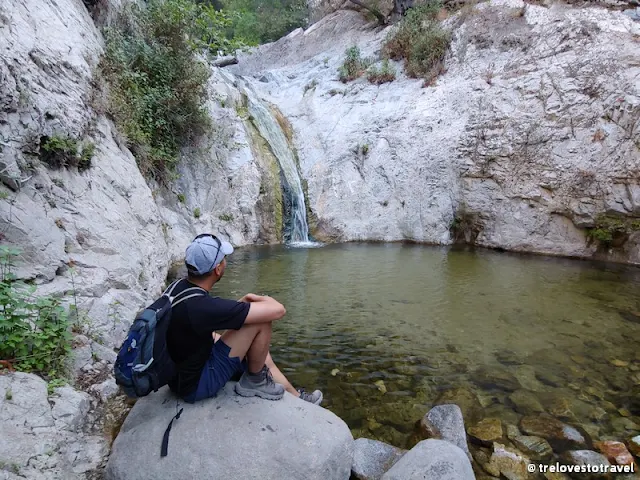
{"x": 388, "y": 330}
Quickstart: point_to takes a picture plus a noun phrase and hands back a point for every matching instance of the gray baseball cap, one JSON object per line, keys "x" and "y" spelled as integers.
{"x": 205, "y": 253}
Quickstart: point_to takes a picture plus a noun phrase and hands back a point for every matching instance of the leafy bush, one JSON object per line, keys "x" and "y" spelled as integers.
{"x": 226, "y": 217}
{"x": 263, "y": 21}
{"x": 197, "y": 212}
{"x": 353, "y": 66}
{"x": 612, "y": 231}
{"x": 157, "y": 84}
{"x": 420, "y": 41}
{"x": 58, "y": 151}
{"x": 34, "y": 331}
{"x": 384, "y": 74}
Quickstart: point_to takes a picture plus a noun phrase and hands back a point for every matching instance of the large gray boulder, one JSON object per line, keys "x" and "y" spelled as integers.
{"x": 232, "y": 437}
{"x": 372, "y": 458}
{"x": 432, "y": 460}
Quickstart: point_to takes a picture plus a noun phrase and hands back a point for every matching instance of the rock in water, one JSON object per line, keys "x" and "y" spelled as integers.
{"x": 616, "y": 452}
{"x": 492, "y": 377}
{"x": 232, "y": 437}
{"x": 560, "y": 435}
{"x": 447, "y": 419}
{"x": 535, "y": 447}
{"x": 371, "y": 458}
{"x": 465, "y": 399}
{"x": 634, "y": 445}
{"x": 432, "y": 460}
{"x": 586, "y": 457}
{"x": 508, "y": 463}
{"x": 486, "y": 431}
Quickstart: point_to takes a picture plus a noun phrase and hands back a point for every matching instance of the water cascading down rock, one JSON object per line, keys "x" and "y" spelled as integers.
{"x": 270, "y": 130}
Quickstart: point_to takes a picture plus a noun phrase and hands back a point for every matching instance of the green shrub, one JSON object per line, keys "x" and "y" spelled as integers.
{"x": 157, "y": 85}
{"x": 353, "y": 66}
{"x": 59, "y": 151}
{"x": 181, "y": 198}
{"x": 612, "y": 231}
{"x": 384, "y": 74}
{"x": 262, "y": 21}
{"x": 34, "y": 331}
{"x": 226, "y": 217}
{"x": 420, "y": 41}
{"x": 196, "y": 212}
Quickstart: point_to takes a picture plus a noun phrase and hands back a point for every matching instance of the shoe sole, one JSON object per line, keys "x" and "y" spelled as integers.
{"x": 251, "y": 392}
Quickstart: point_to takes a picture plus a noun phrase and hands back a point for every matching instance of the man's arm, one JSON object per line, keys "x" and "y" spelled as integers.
{"x": 263, "y": 309}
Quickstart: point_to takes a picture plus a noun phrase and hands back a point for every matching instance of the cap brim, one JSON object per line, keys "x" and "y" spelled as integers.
{"x": 226, "y": 248}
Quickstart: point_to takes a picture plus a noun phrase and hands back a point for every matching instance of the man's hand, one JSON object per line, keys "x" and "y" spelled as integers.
{"x": 252, "y": 297}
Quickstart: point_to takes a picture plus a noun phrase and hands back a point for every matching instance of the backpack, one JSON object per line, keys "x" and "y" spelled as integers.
{"x": 143, "y": 363}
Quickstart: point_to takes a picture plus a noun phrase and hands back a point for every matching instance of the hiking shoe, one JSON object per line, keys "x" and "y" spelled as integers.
{"x": 315, "y": 397}
{"x": 259, "y": 385}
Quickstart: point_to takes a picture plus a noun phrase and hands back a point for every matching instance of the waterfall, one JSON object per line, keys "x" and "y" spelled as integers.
{"x": 270, "y": 130}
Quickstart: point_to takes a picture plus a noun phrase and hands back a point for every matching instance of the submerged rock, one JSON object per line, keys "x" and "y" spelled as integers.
{"x": 371, "y": 458}
{"x": 560, "y": 435}
{"x": 508, "y": 463}
{"x": 447, "y": 420}
{"x": 526, "y": 402}
{"x": 634, "y": 445}
{"x": 616, "y": 452}
{"x": 535, "y": 447}
{"x": 491, "y": 377}
{"x": 432, "y": 460}
{"x": 465, "y": 399}
{"x": 486, "y": 431}
{"x": 586, "y": 457}
{"x": 232, "y": 437}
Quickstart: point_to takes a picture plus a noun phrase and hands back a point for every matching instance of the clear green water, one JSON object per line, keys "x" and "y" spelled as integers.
{"x": 435, "y": 323}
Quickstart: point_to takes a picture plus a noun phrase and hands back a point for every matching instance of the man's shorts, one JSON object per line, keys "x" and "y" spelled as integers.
{"x": 218, "y": 370}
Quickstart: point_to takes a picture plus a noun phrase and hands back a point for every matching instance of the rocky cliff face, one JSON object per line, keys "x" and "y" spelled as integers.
{"x": 104, "y": 232}
{"x": 533, "y": 131}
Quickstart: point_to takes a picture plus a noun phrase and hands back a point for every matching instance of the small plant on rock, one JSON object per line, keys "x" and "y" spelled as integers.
{"x": 63, "y": 151}
{"x": 420, "y": 41}
{"x": 384, "y": 74}
{"x": 353, "y": 66}
{"x": 226, "y": 217}
{"x": 197, "y": 212}
{"x": 612, "y": 231}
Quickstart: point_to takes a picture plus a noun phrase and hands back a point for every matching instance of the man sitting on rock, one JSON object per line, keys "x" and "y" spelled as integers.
{"x": 207, "y": 360}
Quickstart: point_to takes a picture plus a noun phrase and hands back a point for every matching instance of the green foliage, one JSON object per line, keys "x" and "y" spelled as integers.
{"x": 34, "y": 331}
{"x": 365, "y": 149}
{"x": 263, "y": 21}
{"x": 466, "y": 225}
{"x": 181, "y": 198}
{"x": 8, "y": 394}
{"x": 157, "y": 83}
{"x": 63, "y": 151}
{"x": 353, "y": 66}
{"x": 386, "y": 73}
{"x": 196, "y": 212}
{"x": 310, "y": 86}
{"x": 55, "y": 383}
{"x": 420, "y": 41}
{"x": 612, "y": 231}
{"x": 226, "y": 217}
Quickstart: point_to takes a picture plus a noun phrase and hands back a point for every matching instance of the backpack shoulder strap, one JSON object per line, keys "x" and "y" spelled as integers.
{"x": 186, "y": 294}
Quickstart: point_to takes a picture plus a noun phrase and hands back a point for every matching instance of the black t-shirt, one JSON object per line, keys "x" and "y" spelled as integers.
{"x": 190, "y": 333}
